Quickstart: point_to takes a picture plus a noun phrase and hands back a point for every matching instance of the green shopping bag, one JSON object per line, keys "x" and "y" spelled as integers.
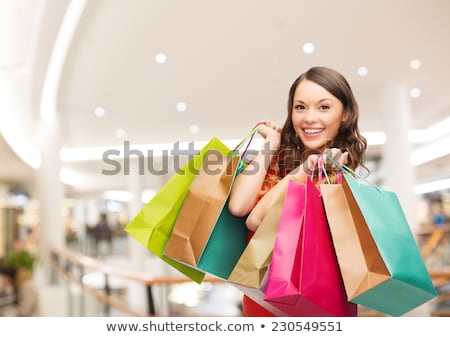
{"x": 206, "y": 235}
{"x": 153, "y": 225}
{"x": 378, "y": 218}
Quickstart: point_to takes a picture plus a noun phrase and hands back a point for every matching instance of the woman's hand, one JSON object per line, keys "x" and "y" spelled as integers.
{"x": 271, "y": 132}
{"x": 246, "y": 187}
{"x": 338, "y": 155}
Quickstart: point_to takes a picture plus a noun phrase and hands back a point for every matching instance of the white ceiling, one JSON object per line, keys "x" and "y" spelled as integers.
{"x": 233, "y": 62}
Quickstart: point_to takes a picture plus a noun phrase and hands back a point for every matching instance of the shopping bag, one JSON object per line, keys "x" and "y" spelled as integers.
{"x": 252, "y": 265}
{"x": 153, "y": 225}
{"x": 378, "y": 256}
{"x": 257, "y": 295}
{"x": 304, "y": 277}
{"x": 225, "y": 245}
{"x": 251, "y": 270}
{"x": 201, "y": 208}
{"x": 284, "y": 272}
{"x": 206, "y": 235}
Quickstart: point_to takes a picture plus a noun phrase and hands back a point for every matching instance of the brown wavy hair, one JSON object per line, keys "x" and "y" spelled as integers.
{"x": 292, "y": 151}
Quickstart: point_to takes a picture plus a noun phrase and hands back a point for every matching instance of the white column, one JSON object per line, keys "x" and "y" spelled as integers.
{"x": 136, "y": 251}
{"x": 50, "y": 192}
{"x": 137, "y": 294}
{"x": 398, "y": 174}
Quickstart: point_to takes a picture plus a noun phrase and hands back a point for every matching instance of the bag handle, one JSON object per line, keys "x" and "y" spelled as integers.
{"x": 347, "y": 169}
{"x": 247, "y": 139}
{"x": 321, "y": 171}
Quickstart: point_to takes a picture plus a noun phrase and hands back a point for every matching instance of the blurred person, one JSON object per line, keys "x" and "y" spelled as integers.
{"x": 28, "y": 301}
{"x": 103, "y": 231}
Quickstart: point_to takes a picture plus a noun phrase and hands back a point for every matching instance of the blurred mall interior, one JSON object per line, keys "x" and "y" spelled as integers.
{"x": 95, "y": 97}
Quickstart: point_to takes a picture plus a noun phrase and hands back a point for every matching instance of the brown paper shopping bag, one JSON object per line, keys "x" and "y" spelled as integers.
{"x": 201, "y": 209}
{"x": 254, "y": 261}
{"x": 361, "y": 264}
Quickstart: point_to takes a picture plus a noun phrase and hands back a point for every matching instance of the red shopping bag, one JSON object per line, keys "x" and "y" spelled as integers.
{"x": 304, "y": 276}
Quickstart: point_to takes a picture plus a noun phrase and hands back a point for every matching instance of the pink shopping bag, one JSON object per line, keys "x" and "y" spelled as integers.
{"x": 304, "y": 277}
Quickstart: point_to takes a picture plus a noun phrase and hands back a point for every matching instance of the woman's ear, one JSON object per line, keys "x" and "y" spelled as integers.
{"x": 345, "y": 115}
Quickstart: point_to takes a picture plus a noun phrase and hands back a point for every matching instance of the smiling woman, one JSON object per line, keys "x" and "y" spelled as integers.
{"x": 322, "y": 119}
{"x": 316, "y": 115}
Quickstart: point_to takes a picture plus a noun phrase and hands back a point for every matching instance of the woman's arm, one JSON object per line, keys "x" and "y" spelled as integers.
{"x": 248, "y": 183}
{"x": 260, "y": 210}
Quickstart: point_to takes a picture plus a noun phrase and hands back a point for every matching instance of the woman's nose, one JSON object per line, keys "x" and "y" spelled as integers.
{"x": 311, "y": 116}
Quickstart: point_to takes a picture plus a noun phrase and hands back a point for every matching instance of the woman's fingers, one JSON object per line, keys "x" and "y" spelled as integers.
{"x": 337, "y": 155}
{"x": 267, "y": 128}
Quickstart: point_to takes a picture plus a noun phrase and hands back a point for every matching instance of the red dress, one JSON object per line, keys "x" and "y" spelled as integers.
{"x": 252, "y": 309}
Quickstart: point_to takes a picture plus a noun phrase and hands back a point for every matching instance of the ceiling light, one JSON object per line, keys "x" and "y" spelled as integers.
{"x": 99, "y": 111}
{"x": 160, "y": 58}
{"x": 147, "y": 195}
{"x": 362, "y": 71}
{"x": 117, "y": 195}
{"x": 194, "y": 129}
{"x": 419, "y": 136}
{"x": 431, "y": 151}
{"x": 432, "y": 186}
{"x": 375, "y": 137}
{"x": 308, "y": 48}
{"x": 120, "y": 133}
{"x": 181, "y": 106}
{"x": 415, "y": 92}
{"x": 414, "y": 64}
{"x": 440, "y": 128}
{"x": 431, "y": 133}
{"x": 70, "y": 177}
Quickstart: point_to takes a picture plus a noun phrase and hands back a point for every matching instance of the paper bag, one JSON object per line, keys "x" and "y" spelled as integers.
{"x": 379, "y": 259}
{"x": 206, "y": 235}
{"x": 304, "y": 278}
{"x": 153, "y": 225}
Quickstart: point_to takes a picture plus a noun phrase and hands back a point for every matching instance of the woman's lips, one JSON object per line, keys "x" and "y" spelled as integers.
{"x": 312, "y": 132}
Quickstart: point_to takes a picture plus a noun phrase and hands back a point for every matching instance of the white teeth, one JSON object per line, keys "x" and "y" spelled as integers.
{"x": 312, "y": 131}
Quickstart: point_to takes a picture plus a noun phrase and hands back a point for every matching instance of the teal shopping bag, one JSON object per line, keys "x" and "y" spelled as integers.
{"x": 153, "y": 225}
{"x": 225, "y": 245}
{"x": 408, "y": 283}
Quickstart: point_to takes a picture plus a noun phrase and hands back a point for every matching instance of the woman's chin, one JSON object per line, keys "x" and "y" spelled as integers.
{"x": 314, "y": 145}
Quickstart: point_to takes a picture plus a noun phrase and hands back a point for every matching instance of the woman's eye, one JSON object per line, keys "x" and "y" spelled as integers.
{"x": 299, "y": 107}
{"x": 324, "y": 107}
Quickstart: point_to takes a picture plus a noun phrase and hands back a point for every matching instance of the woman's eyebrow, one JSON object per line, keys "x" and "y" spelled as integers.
{"x": 320, "y": 101}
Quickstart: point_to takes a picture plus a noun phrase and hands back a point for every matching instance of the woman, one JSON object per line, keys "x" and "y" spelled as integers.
{"x": 322, "y": 119}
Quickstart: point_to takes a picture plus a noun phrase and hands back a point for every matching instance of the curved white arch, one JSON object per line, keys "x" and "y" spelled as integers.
{"x": 15, "y": 82}
{"x": 58, "y": 58}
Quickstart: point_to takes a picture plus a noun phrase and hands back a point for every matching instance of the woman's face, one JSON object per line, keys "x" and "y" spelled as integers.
{"x": 316, "y": 115}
